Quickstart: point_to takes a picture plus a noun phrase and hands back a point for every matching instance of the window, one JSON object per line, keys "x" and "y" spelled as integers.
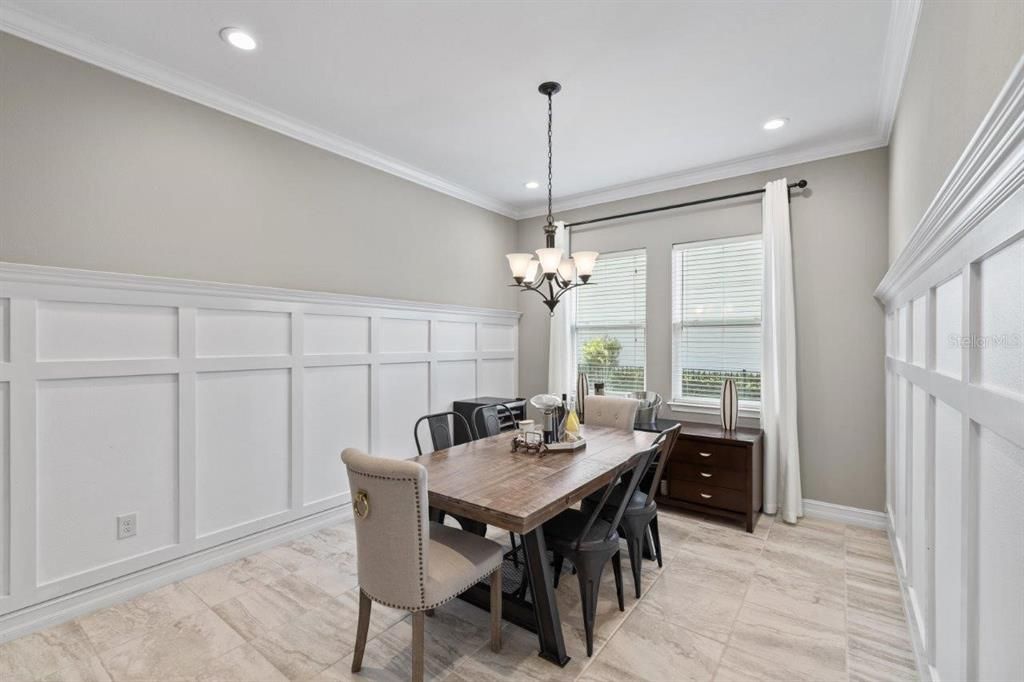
{"x": 716, "y": 319}
{"x": 610, "y": 333}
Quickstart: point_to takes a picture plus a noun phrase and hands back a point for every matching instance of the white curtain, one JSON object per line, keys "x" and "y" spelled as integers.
{"x": 561, "y": 354}
{"x": 778, "y": 360}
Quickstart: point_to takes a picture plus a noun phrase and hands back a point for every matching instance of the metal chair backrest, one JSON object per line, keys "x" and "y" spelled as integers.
{"x": 665, "y": 441}
{"x": 491, "y": 424}
{"x": 638, "y": 471}
{"x": 441, "y": 431}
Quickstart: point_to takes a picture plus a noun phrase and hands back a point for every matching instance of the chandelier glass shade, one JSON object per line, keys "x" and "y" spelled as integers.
{"x": 551, "y": 274}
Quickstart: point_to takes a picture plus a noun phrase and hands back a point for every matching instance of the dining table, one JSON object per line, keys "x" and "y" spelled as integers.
{"x": 487, "y": 482}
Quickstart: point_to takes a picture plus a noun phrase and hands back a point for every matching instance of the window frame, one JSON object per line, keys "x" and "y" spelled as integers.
{"x": 574, "y": 326}
{"x": 694, "y": 404}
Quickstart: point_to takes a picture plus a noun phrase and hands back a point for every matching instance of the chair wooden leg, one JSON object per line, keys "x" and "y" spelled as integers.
{"x": 418, "y": 621}
{"x": 496, "y": 596}
{"x": 617, "y": 570}
{"x": 365, "y": 603}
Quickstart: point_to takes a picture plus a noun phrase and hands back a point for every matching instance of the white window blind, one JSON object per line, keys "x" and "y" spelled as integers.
{"x": 611, "y": 320}
{"x": 716, "y": 319}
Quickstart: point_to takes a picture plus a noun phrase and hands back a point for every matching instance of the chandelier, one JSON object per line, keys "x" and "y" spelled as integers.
{"x": 557, "y": 275}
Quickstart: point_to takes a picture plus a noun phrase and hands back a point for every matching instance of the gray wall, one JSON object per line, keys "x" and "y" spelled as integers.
{"x": 104, "y": 173}
{"x": 963, "y": 53}
{"x": 840, "y": 254}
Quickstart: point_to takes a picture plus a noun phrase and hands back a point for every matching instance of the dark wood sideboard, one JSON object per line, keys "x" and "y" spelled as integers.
{"x": 714, "y": 471}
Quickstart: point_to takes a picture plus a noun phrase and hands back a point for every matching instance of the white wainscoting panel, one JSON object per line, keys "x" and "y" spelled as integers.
{"x": 455, "y": 379}
{"x": 497, "y": 377}
{"x": 5, "y": 325}
{"x": 336, "y": 415}
{"x": 106, "y": 447}
{"x": 404, "y": 397}
{"x": 92, "y": 331}
{"x": 1001, "y": 319}
{"x": 1000, "y": 522}
{"x": 228, "y": 333}
{"x": 453, "y": 337}
{"x": 404, "y": 336}
{"x": 5, "y": 489}
{"x": 955, "y": 410}
{"x": 214, "y": 412}
{"x": 336, "y": 334}
{"x": 243, "y": 464}
{"x": 497, "y": 337}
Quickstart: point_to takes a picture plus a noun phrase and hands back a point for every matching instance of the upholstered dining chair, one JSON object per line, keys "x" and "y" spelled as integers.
{"x": 405, "y": 561}
{"x": 641, "y": 511}
{"x": 607, "y": 410}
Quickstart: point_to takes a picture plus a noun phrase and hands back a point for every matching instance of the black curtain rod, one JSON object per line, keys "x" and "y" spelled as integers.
{"x": 799, "y": 185}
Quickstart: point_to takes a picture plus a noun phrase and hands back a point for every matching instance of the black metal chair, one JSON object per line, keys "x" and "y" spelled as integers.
{"x": 486, "y": 420}
{"x": 641, "y": 511}
{"x": 589, "y": 541}
{"x": 441, "y": 438}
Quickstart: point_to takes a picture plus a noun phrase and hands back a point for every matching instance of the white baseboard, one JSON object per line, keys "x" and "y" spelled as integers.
{"x": 64, "y": 608}
{"x": 843, "y": 514}
{"x": 925, "y": 672}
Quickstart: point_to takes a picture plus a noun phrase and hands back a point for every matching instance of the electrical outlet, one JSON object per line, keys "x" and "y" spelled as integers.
{"x": 126, "y": 525}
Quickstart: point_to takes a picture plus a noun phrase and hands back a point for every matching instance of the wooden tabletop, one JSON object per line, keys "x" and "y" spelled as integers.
{"x": 485, "y": 481}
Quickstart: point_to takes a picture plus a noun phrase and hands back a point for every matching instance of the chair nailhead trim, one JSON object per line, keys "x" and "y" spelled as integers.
{"x": 406, "y": 607}
{"x": 419, "y": 534}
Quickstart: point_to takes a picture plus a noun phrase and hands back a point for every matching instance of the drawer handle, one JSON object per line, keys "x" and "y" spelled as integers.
{"x": 705, "y": 454}
{"x": 705, "y": 496}
{"x": 705, "y": 474}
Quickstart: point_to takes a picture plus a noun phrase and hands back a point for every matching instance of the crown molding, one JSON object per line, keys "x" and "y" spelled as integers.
{"x": 61, "y": 39}
{"x": 27, "y": 273}
{"x": 990, "y": 171}
{"x": 899, "y": 41}
{"x": 710, "y": 173}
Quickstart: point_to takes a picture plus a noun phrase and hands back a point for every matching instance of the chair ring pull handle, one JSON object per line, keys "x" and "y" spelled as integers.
{"x": 361, "y": 504}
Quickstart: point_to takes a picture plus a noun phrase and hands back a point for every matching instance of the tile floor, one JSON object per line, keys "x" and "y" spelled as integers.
{"x": 817, "y": 601}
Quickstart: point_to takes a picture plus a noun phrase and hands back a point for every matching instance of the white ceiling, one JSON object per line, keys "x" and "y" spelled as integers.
{"x": 655, "y": 94}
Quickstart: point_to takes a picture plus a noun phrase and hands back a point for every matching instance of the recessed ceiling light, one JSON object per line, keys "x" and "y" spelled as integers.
{"x": 236, "y": 37}
{"x": 775, "y": 123}
{"x": 532, "y": 184}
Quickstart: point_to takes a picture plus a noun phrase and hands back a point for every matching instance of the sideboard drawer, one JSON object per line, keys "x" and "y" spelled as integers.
{"x": 709, "y": 475}
{"x": 711, "y": 496}
{"x": 713, "y": 454}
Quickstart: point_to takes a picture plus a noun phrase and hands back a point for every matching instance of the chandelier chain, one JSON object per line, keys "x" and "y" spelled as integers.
{"x": 551, "y": 217}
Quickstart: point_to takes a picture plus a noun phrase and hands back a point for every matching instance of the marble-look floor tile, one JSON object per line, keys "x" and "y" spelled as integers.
{"x": 173, "y": 652}
{"x": 448, "y": 641}
{"x": 266, "y": 607}
{"x": 817, "y": 602}
{"x": 686, "y": 604}
{"x": 769, "y": 645}
{"x": 290, "y": 559}
{"x": 317, "y": 639}
{"x": 646, "y": 648}
{"x": 803, "y": 564}
{"x": 333, "y": 576}
{"x": 721, "y": 571}
{"x": 233, "y": 579}
{"x": 86, "y": 670}
{"x": 241, "y": 664}
{"x": 762, "y": 526}
{"x": 871, "y": 659}
{"x": 808, "y": 538}
{"x": 42, "y": 653}
{"x": 876, "y": 535}
{"x": 517, "y": 660}
{"x": 118, "y": 624}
